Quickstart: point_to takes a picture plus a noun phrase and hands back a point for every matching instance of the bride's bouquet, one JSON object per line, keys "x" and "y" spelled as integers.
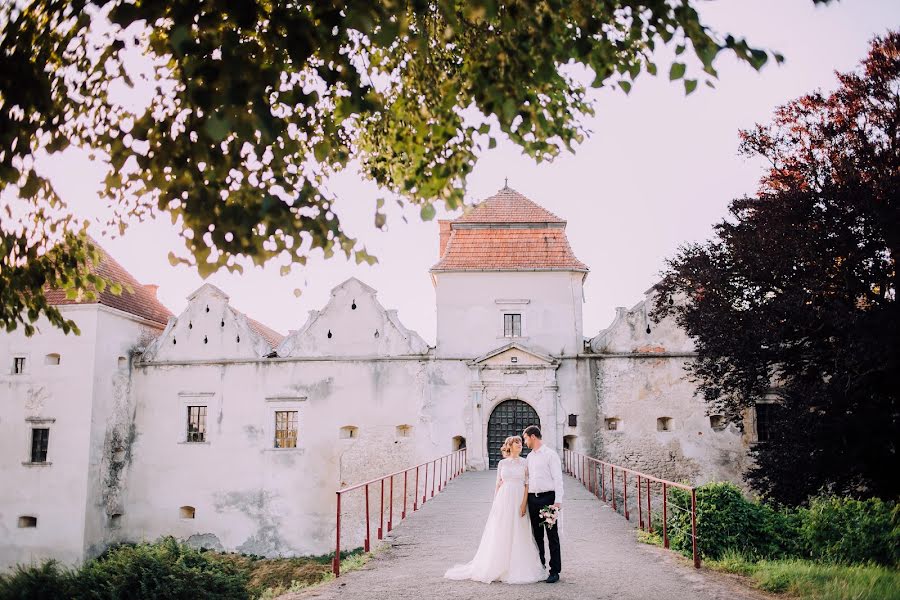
{"x": 549, "y": 515}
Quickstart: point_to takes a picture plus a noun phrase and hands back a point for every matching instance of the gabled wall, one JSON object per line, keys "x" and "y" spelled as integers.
{"x": 208, "y": 329}
{"x": 353, "y": 323}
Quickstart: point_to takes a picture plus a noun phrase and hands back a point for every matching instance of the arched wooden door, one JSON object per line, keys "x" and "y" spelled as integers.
{"x": 510, "y": 417}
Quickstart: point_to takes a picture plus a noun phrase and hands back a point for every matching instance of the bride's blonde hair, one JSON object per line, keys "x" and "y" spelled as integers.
{"x": 504, "y": 449}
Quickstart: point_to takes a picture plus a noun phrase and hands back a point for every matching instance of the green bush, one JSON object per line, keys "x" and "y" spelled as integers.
{"x": 837, "y": 530}
{"x": 844, "y": 530}
{"x": 726, "y": 520}
{"x": 48, "y": 580}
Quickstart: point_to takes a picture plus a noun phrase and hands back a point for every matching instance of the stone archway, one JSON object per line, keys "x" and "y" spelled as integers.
{"x": 508, "y": 418}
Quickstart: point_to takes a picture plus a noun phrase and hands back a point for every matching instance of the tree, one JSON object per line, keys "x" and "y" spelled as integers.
{"x": 798, "y": 290}
{"x": 252, "y": 104}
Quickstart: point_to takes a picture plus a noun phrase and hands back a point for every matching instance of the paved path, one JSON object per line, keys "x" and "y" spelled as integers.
{"x": 601, "y": 557}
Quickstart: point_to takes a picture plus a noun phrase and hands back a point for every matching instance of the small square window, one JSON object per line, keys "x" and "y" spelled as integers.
{"x": 196, "y": 424}
{"x": 664, "y": 424}
{"x": 18, "y": 365}
{"x": 512, "y": 325}
{"x": 286, "y": 429}
{"x": 612, "y": 423}
{"x": 40, "y": 438}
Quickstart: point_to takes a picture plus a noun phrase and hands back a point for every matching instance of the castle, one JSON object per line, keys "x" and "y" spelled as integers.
{"x": 211, "y": 427}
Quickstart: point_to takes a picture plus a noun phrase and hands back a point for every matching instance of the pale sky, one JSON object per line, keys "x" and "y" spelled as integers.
{"x": 658, "y": 172}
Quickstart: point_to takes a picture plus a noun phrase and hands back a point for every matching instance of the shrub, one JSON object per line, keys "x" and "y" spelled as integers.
{"x": 844, "y": 530}
{"x": 47, "y": 580}
{"x": 165, "y": 569}
{"x": 726, "y": 520}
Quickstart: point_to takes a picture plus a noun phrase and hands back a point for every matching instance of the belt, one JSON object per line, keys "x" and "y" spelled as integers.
{"x": 540, "y": 493}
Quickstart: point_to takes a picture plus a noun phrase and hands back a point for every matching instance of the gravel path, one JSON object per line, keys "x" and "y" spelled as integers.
{"x": 600, "y": 555}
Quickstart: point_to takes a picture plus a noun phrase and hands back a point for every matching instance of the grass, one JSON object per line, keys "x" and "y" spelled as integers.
{"x": 814, "y": 580}
{"x": 272, "y": 577}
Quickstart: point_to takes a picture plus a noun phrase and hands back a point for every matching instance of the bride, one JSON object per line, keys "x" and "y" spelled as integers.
{"x": 507, "y": 551}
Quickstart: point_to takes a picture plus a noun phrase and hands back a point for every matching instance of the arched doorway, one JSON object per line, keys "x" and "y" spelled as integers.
{"x": 508, "y": 418}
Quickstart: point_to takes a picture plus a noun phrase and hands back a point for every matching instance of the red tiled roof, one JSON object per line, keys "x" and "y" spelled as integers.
{"x": 508, "y": 250}
{"x": 508, "y": 206}
{"x": 140, "y": 301}
{"x": 508, "y": 232}
{"x": 270, "y": 335}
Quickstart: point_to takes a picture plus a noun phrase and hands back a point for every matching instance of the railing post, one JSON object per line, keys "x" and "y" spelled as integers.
{"x": 612, "y": 478}
{"x": 665, "y": 517}
{"x": 441, "y": 467}
{"x": 603, "y": 480}
{"x": 391, "y": 502}
{"x": 640, "y": 504}
{"x": 433, "y": 475}
{"x": 416, "y": 492}
{"x": 381, "y": 510}
{"x": 405, "y": 477}
{"x": 425, "y": 486}
{"x": 649, "y": 510}
{"x": 368, "y": 527}
{"x": 694, "y": 528}
{"x": 625, "y": 494}
{"x": 336, "y": 562}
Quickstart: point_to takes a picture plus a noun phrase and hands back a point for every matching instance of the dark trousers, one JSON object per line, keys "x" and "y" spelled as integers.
{"x": 535, "y": 503}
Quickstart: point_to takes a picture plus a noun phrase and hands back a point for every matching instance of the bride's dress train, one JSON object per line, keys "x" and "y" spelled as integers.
{"x": 507, "y": 551}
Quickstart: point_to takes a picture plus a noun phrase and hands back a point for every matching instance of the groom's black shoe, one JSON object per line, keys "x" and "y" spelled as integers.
{"x": 554, "y": 577}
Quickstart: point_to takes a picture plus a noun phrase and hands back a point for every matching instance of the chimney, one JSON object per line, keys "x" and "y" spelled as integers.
{"x": 445, "y": 236}
{"x": 152, "y": 287}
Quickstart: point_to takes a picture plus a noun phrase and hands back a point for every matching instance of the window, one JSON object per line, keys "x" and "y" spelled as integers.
{"x": 459, "y": 442}
{"x": 122, "y": 363}
{"x": 18, "y": 365}
{"x": 187, "y": 512}
{"x": 196, "y": 424}
{"x": 766, "y": 413}
{"x": 27, "y": 521}
{"x": 349, "y": 432}
{"x": 39, "y": 440}
{"x": 612, "y": 424}
{"x": 569, "y": 442}
{"x": 664, "y": 424}
{"x": 717, "y": 422}
{"x": 404, "y": 431}
{"x": 512, "y": 325}
{"x": 51, "y": 359}
{"x": 286, "y": 429}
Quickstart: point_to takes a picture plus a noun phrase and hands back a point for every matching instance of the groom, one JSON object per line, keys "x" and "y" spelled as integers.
{"x": 545, "y": 488}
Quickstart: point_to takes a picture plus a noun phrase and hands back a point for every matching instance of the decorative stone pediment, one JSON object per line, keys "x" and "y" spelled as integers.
{"x": 514, "y": 355}
{"x": 353, "y": 323}
{"x": 209, "y": 329}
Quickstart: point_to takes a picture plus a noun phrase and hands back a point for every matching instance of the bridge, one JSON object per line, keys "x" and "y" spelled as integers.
{"x": 601, "y": 555}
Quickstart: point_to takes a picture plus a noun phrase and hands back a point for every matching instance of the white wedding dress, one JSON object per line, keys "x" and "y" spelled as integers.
{"x": 507, "y": 551}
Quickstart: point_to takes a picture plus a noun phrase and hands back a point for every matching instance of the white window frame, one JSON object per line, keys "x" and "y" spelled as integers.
{"x": 276, "y": 404}
{"x": 207, "y": 399}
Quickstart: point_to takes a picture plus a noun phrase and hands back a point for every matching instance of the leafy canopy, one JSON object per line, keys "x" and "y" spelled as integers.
{"x": 796, "y": 295}
{"x": 248, "y": 106}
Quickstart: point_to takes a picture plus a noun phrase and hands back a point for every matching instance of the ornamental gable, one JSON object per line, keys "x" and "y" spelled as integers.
{"x": 353, "y": 323}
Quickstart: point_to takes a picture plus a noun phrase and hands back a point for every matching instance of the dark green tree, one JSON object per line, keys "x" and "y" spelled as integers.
{"x": 252, "y": 104}
{"x": 797, "y": 291}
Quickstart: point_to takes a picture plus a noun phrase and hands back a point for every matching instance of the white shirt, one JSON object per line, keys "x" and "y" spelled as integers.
{"x": 545, "y": 472}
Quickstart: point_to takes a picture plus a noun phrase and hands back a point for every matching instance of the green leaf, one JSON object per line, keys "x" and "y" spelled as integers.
{"x": 625, "y": 85}
{"x": 217, "y": 128}
{"x": 689, "y": 86}
{"x": 677, "y": 71}
{"x": 427, "y": 213}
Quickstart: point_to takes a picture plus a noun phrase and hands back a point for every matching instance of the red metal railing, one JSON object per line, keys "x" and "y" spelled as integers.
{"x": 443, "y": 470}
{"x": 592, "y": 473}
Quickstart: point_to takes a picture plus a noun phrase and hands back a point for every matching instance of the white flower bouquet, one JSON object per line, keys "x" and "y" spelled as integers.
{"x": 549, "y": 515}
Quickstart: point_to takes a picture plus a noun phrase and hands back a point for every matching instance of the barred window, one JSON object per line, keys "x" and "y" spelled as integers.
{"x": 286, "y": 429}
{"x": 512, "y": 325}
{"x": 196, "y": 424}
{"x": 19, "y": 365}
{"x": 40, "y": 438}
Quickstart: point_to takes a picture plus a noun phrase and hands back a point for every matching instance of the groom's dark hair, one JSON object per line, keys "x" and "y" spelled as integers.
{"x": 533, "y": 430}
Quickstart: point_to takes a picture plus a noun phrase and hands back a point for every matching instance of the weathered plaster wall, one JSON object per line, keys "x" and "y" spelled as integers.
{"x": 252, "y": 496}
{"x": 60, "y": 395}
{"x": 641, "y": 377}
{"x": 470, "y": 307}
